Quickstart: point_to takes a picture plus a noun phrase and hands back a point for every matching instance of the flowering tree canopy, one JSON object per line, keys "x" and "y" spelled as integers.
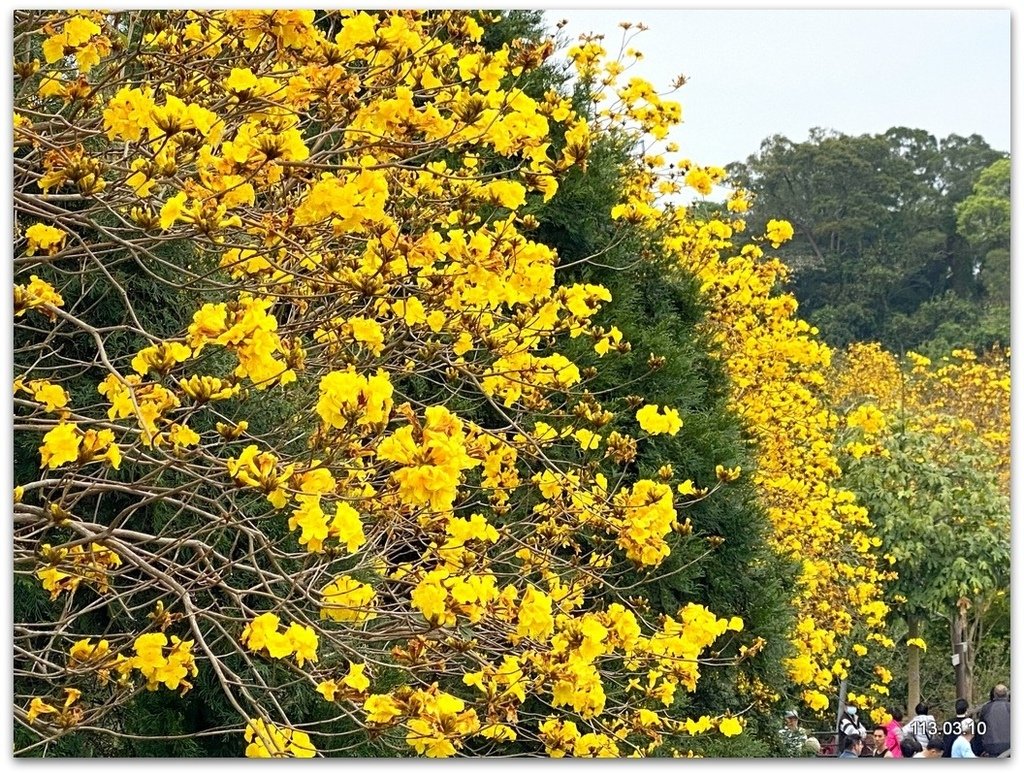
{"x": 363, "y": 468}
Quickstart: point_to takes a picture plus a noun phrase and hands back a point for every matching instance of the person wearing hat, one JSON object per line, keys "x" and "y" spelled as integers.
{"x": 795, "y": 739}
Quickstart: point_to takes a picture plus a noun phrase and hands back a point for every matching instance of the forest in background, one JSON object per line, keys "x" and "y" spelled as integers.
{"x": 900, "y": 238}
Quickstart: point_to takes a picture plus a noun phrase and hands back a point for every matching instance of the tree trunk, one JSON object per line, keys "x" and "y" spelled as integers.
{"x": 913, "y": 666}
{"x": 961, "y": 653}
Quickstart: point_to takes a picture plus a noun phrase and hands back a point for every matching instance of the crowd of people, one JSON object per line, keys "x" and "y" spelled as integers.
{"x": 985, "y": 732}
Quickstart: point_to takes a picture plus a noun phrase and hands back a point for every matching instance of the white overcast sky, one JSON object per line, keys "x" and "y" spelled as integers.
{"x": 754, "y": 73}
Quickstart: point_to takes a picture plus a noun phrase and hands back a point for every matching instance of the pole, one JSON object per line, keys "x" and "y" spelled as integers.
{"x": 958, "y": 636}
{"x": 841, "y": 709}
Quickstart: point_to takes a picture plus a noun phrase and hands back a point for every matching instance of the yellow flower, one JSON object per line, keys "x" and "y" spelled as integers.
{"x": 611, "y": 339}
{"x": 85, "y": 650}
{"x": 730, "y": 726}
{"x": 35, "y": 294}
{"x": 267, "y": 741}
{"x": 587, "y": 439}
{"x": 182, "y": 435}
{"x": 140, "y": 183}
{"x": 52, "y": 396}
{"x": 356, "y": 30}
{"x": 698, "y": 726}
{"x": 46, "y": 238}
{"x": 430, "y": 599}
{"x": 39, "y": 708}
{"x": 203, "y": 389}
{"x": 463, "y": 344}
{"x": 160, "y": 357}
{"x": 348, "y": 600}
{"x": 559, "y": 737}
{"x": 328, "y": 689}
{"x": 60, "y": 445}
{"x": 699, "y": 180}
{"x": 303, "y": 641}
{"x": 381, "y": 709}
{"x": 310, "y": 517}
{"x": 241, "y": 79}
{"x": 173, "y": 210}
{"x": 654, "y": 423}
{"x": 356, "y": 678}
{"x": 535, "y": 618}
{"x": 53, "y": 49}
{"x": 499, "y": 732}
{"x": 727, "y": 474}
{"x": 368, "y": 332}
{"x": 347, "y": 527}
{"x": 300, "y": 746}
{"x": 345, "y": 395}
{"x": 507, "y": 193}
{"x": 738, "y": 202}
{"x": 411, "y": 310}
{"x": 815, "y": 700}
{"x": 255, "y": 634}
{"x": 128, "y": 114}
{"x": 778, "y": 232}
{"x": 868, "y": 417}
{"x": 76, "y": 31}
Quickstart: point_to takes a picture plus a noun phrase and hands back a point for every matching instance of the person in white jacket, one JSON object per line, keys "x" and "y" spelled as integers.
{"x": 849, "y": 726}
{"x": 922, "y": 726}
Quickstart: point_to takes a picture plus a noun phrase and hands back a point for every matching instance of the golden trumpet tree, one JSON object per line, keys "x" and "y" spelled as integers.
{"x": 359, "y": 495}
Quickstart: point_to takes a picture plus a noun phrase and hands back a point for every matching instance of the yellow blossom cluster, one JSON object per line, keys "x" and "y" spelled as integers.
{"x": 262, "y": 634}
{"x": 355, "y": 682}
{"x": 78, "y": 36}
{"x": 161, "y": 662}
{"x": 963, "y": 398}
{"x": 63, "y": 569}
{"x": 654, "y": 423}
{"x": 53, "y": 397}
{"x": 569, "y": 670}
{"x": 149, "y": 403}
{"x": 65, "y": 443}
{"x": 67, "y": 715}
{"x": 164, "y": 662}
{"x": 777, "y": 368}
{"x": 269, "y": 741}
{"x": 44, "y": 238}
{"x": 37, "y": 294}
{"x": 348, "y": 600}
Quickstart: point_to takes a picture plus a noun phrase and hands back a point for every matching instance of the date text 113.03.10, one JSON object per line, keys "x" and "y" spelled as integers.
{"x": 930, "y": 728}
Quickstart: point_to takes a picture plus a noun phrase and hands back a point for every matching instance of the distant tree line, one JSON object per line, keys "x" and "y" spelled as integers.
{"x": 901, "y": 238}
